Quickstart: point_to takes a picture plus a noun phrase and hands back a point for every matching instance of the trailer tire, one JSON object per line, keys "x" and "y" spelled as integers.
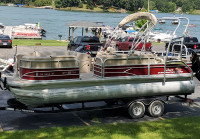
{"x": 136, "y": 109}
{"x": 156, "y": 108}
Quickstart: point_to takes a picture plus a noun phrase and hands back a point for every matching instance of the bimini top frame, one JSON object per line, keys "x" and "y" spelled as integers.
{"x": 144, "y": 30}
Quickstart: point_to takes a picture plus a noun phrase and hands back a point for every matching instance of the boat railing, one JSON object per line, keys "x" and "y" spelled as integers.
{"x": 102, "y": 67}
{"x": 48, "y": 64}
{"x": 142, "y": 36}
{"x": 40, "y": 69}
{"x": 179, "y": 55}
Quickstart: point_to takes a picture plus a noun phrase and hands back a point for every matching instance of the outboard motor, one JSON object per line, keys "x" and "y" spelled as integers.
{"x": 196, "y": 64}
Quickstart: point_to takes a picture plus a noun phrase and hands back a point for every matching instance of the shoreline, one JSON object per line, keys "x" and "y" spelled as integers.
{"x": 96, "y": 9}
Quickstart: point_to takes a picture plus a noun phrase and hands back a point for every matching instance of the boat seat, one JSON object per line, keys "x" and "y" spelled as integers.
{"x": 63, "y": 61}
{"x": 123, "y": 59}
{"x": 35, "y": 62}
{"x": 159, "y": 60}
{"x": 84, "y": 61}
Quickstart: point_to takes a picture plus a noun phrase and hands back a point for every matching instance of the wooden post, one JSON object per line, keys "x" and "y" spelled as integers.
{"x": 69, "y": 33}
{"x": 100, "y": 30}
{"x": 72, "y": 33}
{"x": 82, "y": 31}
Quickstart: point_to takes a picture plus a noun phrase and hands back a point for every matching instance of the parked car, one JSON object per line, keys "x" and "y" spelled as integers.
{"x": 5, "y": 41}
{"x": 90, "y": 44}
{"x": 125, "y": 44}
{"x": 189, "y": 42}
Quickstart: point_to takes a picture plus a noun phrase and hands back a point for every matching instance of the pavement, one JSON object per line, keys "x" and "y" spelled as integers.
{"x": 16, "y": 120}
{"x": 8, "y": 31}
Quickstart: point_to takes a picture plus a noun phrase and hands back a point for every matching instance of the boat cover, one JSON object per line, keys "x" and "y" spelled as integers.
{"x": 137, "y": 16}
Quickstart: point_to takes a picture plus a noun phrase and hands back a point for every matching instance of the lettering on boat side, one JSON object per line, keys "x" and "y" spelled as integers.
{"x": 178, "y": 70}
{"x": 172, "y": 71}
{"x": 45, "y": 74}
{"x": 53, "y": 73}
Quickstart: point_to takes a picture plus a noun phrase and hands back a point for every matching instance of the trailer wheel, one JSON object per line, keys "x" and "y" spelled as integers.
{"x": 136, "y": 110}
{"x": 156, "y": 108}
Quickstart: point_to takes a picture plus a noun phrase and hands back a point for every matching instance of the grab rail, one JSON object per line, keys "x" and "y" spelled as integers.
{"x": 103, "y": 66}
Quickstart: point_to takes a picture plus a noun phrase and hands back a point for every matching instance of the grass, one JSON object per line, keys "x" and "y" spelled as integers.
{"x": 21, "y": 42}
{"x": 196, "y": 12}
{"x": 188, "y": 127}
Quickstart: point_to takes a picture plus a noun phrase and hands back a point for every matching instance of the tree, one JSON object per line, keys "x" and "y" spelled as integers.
{"x": 90, "y": 4}
{"x": 171, "y": 7}
{"x": 58, "y": 3}
{"x": 187, "y": 6}
{"x": 152, "y": 5}
{"x": 107, "y": 4}
{"x": 80, "y": 5}
{"x": 140, "y": 23}
{"x": 196, "y": 4}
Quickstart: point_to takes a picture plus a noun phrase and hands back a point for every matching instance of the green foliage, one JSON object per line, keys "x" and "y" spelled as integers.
{"x": 140, "y": 23}
{"x": 130, "y": 5}
{"x": 24, "y": 42}
{"x": 134, "y": 5}
{"x": 152, "y": 5}
{"x": 90, "y": 5}
{"x": 171, "y": 7}
{"x": 58, "y": 3}
{"x": 106, "y": 4}
{"x": 80, "y": 5}
{"x": 187, "y": 6}
{"x": 165, "y": 6}
{"x": 196, "y": 4}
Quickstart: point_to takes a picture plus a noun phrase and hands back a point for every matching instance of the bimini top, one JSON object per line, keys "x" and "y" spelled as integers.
{"x": 137, "y": 16}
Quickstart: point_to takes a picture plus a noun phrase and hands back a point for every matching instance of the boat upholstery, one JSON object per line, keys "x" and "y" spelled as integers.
{"x": 56, "y": 59}
{"x": 84, "y": 61}
{"x": 138, "y": 57}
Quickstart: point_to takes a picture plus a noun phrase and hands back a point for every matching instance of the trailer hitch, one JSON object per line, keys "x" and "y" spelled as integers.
{"x": 3, "y": 83}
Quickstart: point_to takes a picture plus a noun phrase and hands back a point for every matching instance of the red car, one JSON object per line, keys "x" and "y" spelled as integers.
{"x": 5, "y": 41}
{"x": 126, "y": 43}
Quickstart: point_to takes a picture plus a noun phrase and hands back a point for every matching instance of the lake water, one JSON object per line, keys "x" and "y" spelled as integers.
{"x": 54, "y": 21}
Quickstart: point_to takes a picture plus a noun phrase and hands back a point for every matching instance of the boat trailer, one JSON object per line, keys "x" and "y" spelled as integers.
{"x": 14, "y": 105}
